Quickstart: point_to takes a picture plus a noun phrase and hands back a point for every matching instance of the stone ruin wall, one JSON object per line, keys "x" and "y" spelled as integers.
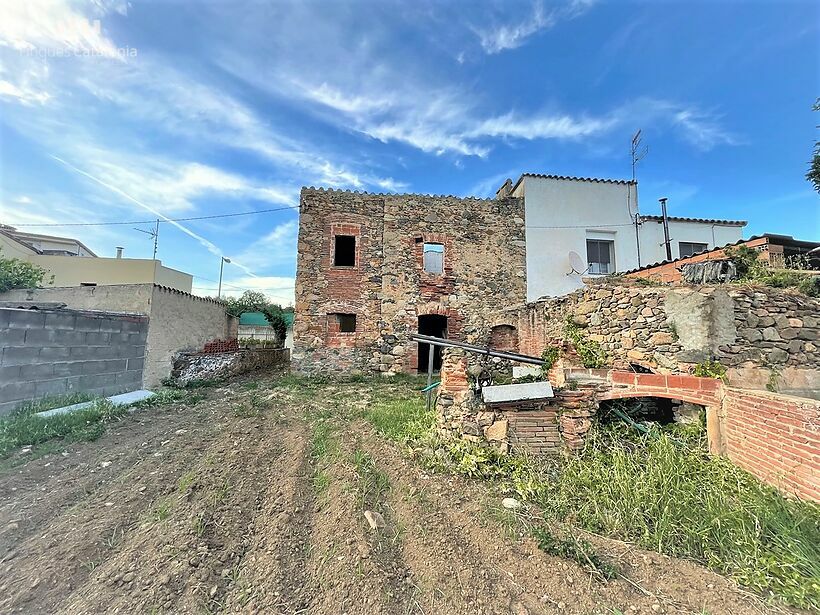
{"x": 753, "y": 331}
{"x": 762, "y": 335}
{"x": 388, "y": 289}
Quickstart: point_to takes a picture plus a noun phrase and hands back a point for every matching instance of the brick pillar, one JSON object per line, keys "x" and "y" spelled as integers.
{"x": 575, "y": 419}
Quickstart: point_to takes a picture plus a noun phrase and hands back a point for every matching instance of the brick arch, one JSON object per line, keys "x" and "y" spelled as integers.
{"x": 703, "y": 391}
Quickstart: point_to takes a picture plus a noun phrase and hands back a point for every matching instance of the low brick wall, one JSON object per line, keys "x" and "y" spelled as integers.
{"x": 54, "y": 352}
{"x": 220, "y": 365}
{"x": 776, "y": 438}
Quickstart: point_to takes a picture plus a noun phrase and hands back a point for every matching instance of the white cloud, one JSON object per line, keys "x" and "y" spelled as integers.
{"x": 702, "y": 130}
{"x": 277, "y": 247}
{"x": 503, "y": 36}
{"x": 499, "y": 38}
{"x": 33, "y": 26}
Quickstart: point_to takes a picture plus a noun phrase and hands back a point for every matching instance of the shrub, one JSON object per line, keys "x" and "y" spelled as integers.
{"x": 16, "y": 273}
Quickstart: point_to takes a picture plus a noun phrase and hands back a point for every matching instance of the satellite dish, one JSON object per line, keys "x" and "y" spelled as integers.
{"x": 576, "y": 264}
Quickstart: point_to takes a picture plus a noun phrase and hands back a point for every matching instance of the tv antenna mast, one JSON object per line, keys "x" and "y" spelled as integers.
{"x": 153, "y": 233}
{"x": 637, "y": 152}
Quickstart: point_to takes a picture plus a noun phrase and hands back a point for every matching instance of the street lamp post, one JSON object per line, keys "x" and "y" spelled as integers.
{"x": 221, "y": 267}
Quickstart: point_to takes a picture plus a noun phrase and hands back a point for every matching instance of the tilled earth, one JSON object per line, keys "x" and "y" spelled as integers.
{"x": 252, "y": 501}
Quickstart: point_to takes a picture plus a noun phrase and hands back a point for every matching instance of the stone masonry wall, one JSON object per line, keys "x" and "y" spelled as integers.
{"x": 220, "y": 365}
{"x": 387, "y": 289}
{"x": 54, "y": 352}
{"x": 760, "y": 334}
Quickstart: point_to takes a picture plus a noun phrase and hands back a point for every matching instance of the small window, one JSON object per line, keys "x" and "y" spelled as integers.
{"x": 347, "y": 323}
{"x": 88, "y": 283}
{"x": 688, "y": 248}
{"x": 600, "y": 256}
{"x": 434, "y": 258}
{"x": 344, "y": 251}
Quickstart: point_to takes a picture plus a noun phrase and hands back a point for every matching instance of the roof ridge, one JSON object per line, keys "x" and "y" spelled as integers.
{"x": 580, "y": 179}
{"x": 688, "y": 219}
{"x": 388, "y": 194}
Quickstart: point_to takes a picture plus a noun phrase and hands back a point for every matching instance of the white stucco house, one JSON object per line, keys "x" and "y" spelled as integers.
{"x": 578, "y": 227}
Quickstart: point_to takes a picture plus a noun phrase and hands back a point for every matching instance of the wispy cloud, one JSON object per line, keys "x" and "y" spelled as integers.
{"x": 211, "y": 247}
{"x": 500, "y": 37}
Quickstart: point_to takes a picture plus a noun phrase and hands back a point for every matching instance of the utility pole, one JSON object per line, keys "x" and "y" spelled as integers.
{"x": 666, "y": 240}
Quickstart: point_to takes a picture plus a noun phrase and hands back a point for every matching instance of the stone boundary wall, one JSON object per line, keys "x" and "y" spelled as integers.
{"x": 762, "y": 335}
{"x": 776, "y": 438}
{"x": 54, "y": 352}
{"x": 221, "y": 365}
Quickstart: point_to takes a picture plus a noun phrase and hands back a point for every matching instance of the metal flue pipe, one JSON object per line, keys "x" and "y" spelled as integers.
{"x": 485, "y": 350}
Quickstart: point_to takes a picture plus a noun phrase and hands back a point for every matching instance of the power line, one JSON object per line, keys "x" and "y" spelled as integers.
{"x": 242, "y": 213}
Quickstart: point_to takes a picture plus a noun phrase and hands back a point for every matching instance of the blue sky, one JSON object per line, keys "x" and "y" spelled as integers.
{"x": 118, "y": 111}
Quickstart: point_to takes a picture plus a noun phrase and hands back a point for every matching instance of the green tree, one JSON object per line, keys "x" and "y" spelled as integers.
{"x": 255, "y": 301}
{"x": 813, "y": 174}
{"x": 16, "y": 273}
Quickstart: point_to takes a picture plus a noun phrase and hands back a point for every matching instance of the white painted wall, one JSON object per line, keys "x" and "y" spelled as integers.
{"x": 715, "y": 235}
{"x": 579, "y": 209}
{"x": 561, "y": 214}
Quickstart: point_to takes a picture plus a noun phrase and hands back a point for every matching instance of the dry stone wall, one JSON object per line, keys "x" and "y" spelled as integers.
{"x": 765, "y": 336}
{"x": 387, "y": 287}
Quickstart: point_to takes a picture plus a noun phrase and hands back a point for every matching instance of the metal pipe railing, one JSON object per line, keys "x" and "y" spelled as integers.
{"x": 485, "y": 350}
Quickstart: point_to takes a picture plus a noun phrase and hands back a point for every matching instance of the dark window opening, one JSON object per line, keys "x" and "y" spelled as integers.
{"x": 347, "y": 323}
{"x": 434, "y": 258}
{"x": 436, "y": 326}
{"x": 658, "y": 410}
{"x": 600, "y": 256}
{"x": 88, "y": 283}
{"x": 344, "y": 251}
{"x": 688, "y": 248}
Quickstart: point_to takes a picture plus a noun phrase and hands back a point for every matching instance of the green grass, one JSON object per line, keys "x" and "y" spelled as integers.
{"x": 49, "y": 434}
{"x": 679, "y": 501}
{"x": 28, "y": 429}
{"x": 661, "y": 491}
{"x": 576, "y": 549}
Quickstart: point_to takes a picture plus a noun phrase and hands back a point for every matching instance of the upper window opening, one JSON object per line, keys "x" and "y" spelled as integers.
{"x": 347, "y": 323}
{"x": 688, "y": 248}
{"x": 434, "y": 258}
{"x": 601, "y": 256}
{"x": 344, "y": 251}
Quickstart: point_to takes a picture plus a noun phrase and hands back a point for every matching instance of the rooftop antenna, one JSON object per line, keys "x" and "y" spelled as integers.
{"x": 637, "y": 152}
{"x": 153, "y": 233}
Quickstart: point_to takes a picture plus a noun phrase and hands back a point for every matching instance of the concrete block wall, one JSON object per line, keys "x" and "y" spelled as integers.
{"x": 54, "y": 352}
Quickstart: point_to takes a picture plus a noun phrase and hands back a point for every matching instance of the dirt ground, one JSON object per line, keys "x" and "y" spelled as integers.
{"x": 252, "y": 501}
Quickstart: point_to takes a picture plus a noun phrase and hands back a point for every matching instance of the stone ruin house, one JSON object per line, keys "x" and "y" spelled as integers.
{"x": 373, "y": 268}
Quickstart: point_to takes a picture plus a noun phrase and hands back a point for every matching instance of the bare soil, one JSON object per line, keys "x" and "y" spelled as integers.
{"x": 231, "y": 505}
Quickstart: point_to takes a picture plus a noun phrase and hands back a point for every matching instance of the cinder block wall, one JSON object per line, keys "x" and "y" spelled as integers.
{"x": 54, "y": 352}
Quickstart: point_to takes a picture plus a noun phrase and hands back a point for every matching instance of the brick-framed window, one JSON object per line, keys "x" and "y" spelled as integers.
{"x": 338, "y": 322}
{"x": 344, "y": 250}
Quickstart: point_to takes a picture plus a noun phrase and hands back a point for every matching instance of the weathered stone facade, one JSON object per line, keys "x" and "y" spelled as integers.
{"x": 386, "y": 286}
{"x": 764, "y": 336}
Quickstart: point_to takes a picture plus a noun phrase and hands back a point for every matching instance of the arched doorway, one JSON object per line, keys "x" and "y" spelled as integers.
{"x": 434, "y": 325}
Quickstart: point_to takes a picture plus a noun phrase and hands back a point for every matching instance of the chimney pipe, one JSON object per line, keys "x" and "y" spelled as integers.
{"x": 667, "y": 242}
{"x": 119, "y": 251}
